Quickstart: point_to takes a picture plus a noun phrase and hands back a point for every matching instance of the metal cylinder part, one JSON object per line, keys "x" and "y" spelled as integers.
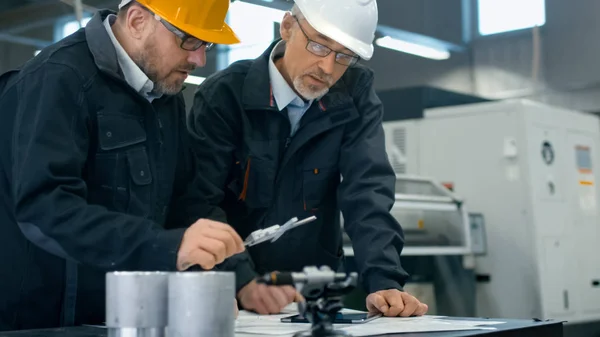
{"x": 136, "y": 332}
{"x": 136, "y": 304}
{"x": 201, "y": 304}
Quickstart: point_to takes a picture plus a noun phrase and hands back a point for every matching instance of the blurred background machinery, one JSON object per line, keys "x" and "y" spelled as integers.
{"x": 530, "y": 170}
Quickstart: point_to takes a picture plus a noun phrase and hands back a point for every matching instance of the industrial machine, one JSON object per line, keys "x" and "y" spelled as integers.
{"x": 530, "y": 170}
{"x": 437, "y": 249}
{"x": 434, "y": 220}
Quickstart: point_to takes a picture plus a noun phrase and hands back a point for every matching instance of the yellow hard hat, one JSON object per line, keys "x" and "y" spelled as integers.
{"x": 202, "y": 19}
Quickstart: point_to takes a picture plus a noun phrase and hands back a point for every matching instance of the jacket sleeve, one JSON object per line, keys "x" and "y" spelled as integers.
{"x": 49, "y": 151}
{"x": 188, "y": 204}
{"x": 367, "y": 196}
{"x": 215, "y": 137}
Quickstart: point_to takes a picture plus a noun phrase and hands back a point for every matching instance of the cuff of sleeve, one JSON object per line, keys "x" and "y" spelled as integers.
{"x": 375, "y": 283}
{"x": 160, "y": 253}
{"x": 214, "y": 214}
{"x": 244, "y": 274}
{"x": 243, "y": 267}
{"x": 217, "y": 214}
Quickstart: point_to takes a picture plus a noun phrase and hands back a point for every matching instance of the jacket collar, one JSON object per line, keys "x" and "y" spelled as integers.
{"x": 258, "y": 95}
{"x": 100, "y": 45}
{"x": 283, "y": 93}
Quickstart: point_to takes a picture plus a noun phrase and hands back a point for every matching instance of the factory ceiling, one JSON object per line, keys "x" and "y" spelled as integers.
{"x": 19, "y": 17}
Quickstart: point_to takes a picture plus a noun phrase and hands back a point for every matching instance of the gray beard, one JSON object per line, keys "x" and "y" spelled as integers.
{"x": 145, "y": 61}
{"x": 308, "y": 92}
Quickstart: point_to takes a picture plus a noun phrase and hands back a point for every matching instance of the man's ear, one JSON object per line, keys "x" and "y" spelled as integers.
{"x": 285, "y": 29}
{"x": 137, "y": 21}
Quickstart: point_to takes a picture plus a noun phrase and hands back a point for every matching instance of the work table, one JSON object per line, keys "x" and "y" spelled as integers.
{"x": 512, "y": 328}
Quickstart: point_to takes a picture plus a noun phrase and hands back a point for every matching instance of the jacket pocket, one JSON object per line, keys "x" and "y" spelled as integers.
{"x": 140, "y": 188}
{"x": 257, "y": 182}
{"x": 120, "y": 175}
{"x": 116, "y": 132}
{"x": 317, "y": 184}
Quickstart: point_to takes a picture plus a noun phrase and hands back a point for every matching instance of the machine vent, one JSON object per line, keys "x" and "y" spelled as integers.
{"x": 398, "y": 153}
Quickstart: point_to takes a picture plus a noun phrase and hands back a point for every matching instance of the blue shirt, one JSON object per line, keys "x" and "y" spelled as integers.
{"x": 284, "y": 95}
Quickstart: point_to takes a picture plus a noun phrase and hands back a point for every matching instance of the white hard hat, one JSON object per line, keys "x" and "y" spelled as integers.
{"x": 351, "y": 23}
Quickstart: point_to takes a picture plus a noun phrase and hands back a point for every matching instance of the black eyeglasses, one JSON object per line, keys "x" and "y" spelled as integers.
{"x": 188, "y": 42}
{"x": 323, "y": 51}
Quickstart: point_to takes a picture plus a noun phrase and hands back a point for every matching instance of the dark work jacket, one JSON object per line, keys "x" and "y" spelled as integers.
{"x": 258, "y": 176}
{"x": 91, "y": 174}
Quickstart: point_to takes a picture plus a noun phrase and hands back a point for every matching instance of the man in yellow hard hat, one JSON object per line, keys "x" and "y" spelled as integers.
{"x": 94, "y": 162}
{"x": 297, "y": 132}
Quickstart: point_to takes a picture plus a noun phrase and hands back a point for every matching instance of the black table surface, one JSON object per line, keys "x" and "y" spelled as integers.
{"x": 512, "y": 328}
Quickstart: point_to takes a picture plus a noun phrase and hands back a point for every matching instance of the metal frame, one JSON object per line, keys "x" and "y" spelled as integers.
{"x": 422, "y": 251}
{"x": 426, "y": 205}
{"x": 449, "y": 194}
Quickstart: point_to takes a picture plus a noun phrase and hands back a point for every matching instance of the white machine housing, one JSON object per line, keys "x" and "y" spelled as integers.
{"x": 532, "y": 170}
{"x": 434, "y": 220}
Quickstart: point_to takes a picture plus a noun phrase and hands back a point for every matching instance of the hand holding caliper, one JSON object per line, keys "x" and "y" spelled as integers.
{"x": 274, "y": 232}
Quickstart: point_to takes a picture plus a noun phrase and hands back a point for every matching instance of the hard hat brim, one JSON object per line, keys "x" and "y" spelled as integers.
{"x": 223, "y": 36}
{"x": 218, "y": 35}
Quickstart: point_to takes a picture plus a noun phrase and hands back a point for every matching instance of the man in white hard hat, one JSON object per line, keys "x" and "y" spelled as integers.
{"x": 95, "y": 162}
{"x": 273, "y": 136}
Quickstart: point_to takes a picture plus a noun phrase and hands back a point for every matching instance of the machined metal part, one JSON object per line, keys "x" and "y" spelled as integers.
{"x": 136, "y": 304}
{"x": 136, "y": 332}
{"x": 201, "y": 304}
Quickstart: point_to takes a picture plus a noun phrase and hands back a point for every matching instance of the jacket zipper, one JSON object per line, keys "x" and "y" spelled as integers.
{"x": 160, "y": 129}
{"x": 246, "y": 178}
{"x": 276, "y": 188}
{"x": 158, "y": 167}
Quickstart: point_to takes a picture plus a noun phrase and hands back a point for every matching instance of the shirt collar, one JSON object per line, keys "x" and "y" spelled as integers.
{"x": 134, "y": 76}
{"x": 282, "y": 92}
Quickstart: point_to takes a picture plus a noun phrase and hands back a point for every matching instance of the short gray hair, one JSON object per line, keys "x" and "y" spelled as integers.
{"x": 122, "y": 13}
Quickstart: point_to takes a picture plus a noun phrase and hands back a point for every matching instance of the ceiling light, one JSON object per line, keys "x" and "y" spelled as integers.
{"x": 413, "y": 48}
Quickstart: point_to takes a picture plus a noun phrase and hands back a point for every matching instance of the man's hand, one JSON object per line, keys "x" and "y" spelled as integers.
{"x": 208, "y": 243}
{"x": 393, "y": 302}
{"x": 265, "y": 299}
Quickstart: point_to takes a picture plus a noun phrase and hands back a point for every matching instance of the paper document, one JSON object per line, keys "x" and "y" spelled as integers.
{"x": 387, "y": 325}
{"x": 250, "y": 324}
